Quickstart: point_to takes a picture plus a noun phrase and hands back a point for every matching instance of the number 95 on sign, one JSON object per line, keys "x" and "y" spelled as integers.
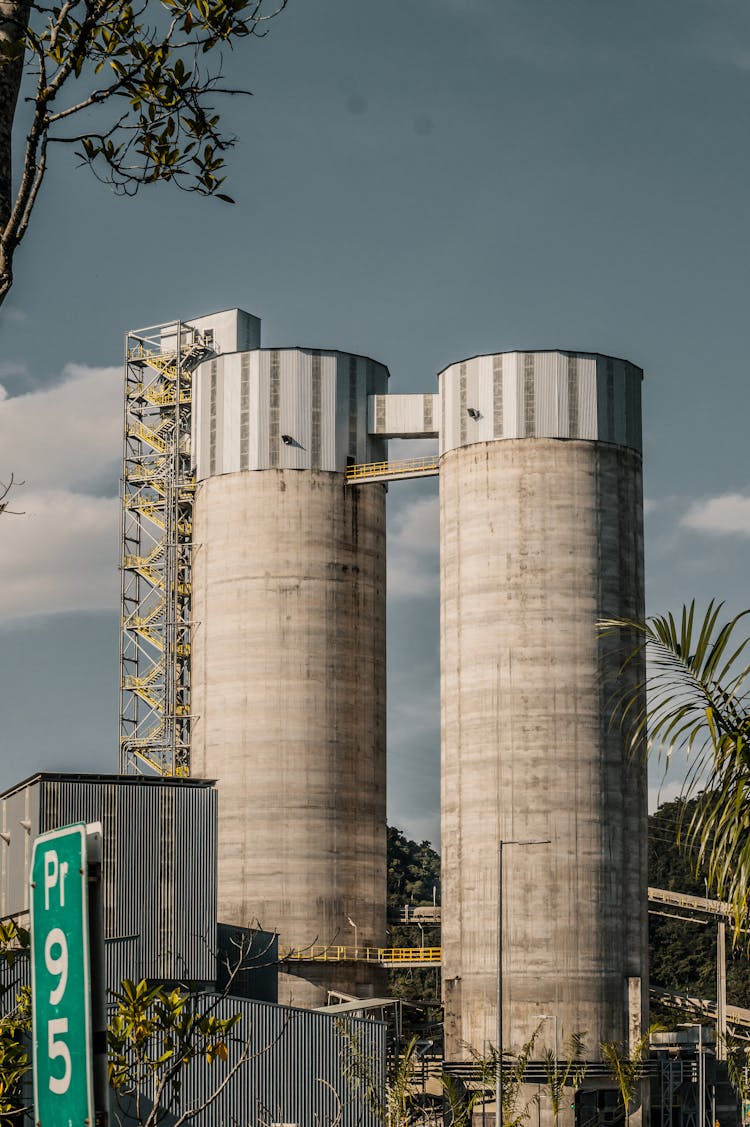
{"x": 60, "y": 980}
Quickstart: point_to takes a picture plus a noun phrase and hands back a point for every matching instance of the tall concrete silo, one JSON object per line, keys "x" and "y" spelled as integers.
{"x": 540, "y": 537}
{"x": 288, "y": 652}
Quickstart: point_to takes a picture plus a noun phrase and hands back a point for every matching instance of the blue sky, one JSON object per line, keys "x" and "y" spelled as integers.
{"x": 416, "y": 181}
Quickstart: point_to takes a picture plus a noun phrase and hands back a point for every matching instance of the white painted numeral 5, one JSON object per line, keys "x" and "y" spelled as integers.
{"x": 55, "y": 1048}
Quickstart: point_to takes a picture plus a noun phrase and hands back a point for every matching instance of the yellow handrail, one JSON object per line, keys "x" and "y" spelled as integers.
{"x": 336, "y": 953}
{"x": 405, "y": 466}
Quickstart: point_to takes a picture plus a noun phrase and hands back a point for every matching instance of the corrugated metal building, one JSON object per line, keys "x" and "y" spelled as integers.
{"x": 300, "y": 1070}
{"x": 159, "y": 893}
{"x": 303, "y": 1068}
{"x": 158, "y": 871}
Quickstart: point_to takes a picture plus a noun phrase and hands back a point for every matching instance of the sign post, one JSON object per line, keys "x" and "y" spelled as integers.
{"x": 61, "y": 980}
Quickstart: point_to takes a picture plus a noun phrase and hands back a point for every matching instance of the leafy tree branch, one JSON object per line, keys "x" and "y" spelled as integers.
{"x": 156, "y": 62}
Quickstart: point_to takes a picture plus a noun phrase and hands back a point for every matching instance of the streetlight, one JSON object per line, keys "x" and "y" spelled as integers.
{"x": 351, "y": 922}
{"x": 499, "y": 1078}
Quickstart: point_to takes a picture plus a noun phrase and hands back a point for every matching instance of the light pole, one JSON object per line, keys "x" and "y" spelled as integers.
{"x": 499, "y": 1077}
{"x": 350, "y": 921}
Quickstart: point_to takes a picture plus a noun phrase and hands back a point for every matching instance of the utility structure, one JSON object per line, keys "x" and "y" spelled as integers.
{"x": 254, "y": 653}
{"x": 157, "y": 506}
{"x": 254, "y": 624}
{"x": 541, "y": 537}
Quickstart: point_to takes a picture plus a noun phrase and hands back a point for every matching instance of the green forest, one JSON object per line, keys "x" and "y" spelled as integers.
{"x": 682, "y": 955}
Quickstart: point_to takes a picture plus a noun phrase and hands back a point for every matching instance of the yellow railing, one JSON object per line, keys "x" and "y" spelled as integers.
{"x": 366, "y": 471}
{"x": 334, "y": 953}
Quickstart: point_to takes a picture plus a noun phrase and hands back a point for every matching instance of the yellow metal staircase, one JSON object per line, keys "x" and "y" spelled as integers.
{"x": 157, "y": 491}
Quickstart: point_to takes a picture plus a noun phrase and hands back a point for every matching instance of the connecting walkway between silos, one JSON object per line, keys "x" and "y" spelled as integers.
{"x": 383, "y": 956}
{"x": 393, "y": 471}
{"x": 661, "y": 901}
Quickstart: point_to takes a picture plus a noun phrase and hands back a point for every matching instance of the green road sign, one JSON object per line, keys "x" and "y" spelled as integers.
{"x": 61, "y": 980}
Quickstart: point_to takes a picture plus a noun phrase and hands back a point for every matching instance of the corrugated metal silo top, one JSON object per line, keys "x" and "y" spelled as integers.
{"x": 541, "y": 394}
{"x": 284, "y": 408}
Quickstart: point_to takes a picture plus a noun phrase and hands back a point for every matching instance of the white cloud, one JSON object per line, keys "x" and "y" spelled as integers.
{"x": 726, "y": 515}
{"x": 65, "y": 436}
{"x": 413, "y": 550}
{"x": 62, "y": 442}
{"x": 61, "y": 555}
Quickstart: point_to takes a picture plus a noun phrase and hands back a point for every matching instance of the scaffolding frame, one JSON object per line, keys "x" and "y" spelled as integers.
{"x": 157, "y": 491}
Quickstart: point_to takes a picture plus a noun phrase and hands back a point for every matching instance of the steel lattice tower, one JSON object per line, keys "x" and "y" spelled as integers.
{"x": 158, "y": 485}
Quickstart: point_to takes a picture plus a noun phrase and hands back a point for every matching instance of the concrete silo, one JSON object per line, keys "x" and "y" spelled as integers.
{"x": 288, "y": 652}
{"x": 540, "y": 537}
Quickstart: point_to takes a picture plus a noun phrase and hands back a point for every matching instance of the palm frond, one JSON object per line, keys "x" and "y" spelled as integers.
{"x": 693, "y": 697}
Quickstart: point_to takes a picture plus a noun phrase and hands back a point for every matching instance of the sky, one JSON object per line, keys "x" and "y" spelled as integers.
{"x": 417, "y": 181}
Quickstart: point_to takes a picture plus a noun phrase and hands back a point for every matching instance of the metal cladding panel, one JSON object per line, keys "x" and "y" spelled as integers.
{"x": 234, "y": 330}
{"x": 328, "y": 399}
{"x": 587, "y": 396}
{"x": 159, "y": 870}
{"x": 544, "y": 394}
{"x": 548, "y": 390}
{"x": 404, "y": 416}
{"x": 299, "y": 1071}
{"x": 230, "y": 434}
{"x": 245, "y": 403}
{"x": 20, "y": 825}
{"x": 341, "y": 423}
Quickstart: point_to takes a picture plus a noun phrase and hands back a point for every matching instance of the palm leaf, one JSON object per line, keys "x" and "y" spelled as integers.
{"x": 693, "y": 696}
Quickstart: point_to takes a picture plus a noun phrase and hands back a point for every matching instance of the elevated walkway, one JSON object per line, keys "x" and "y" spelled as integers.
{"x": 392, "y": 471}
{"x": 384, "y": 956}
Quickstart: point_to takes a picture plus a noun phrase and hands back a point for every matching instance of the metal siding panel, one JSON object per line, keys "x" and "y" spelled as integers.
{"x": 463, "y": 392}
{"x": 253, "y": 454}
{"x": 21, "y": 806}
{"x": 601, "y": 398}
{"x": 498, "y": 429}
{"x": 636, "y": 423}
{"x": 588, "y": 397}
{"x": 480, "y": 391}
{"x": 546, "y": 395}
{"x": 298, "y": 1073}
{"x": 274, "y": 401}
{"x": 529, "y": 402}
{"x": 316, "y": 411}
{"x": 196, "y": 423}
{"x": 244, "y": 432}
{"x": 230, "y": 422}
{"x": 328, "y": 413}
{"x": 294, "y": 409}
{"x": 158, "y": 839}
{"x": 342, "y": 408}
{"x": 570, "y": 409}
{"x": 264, "y": 370}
